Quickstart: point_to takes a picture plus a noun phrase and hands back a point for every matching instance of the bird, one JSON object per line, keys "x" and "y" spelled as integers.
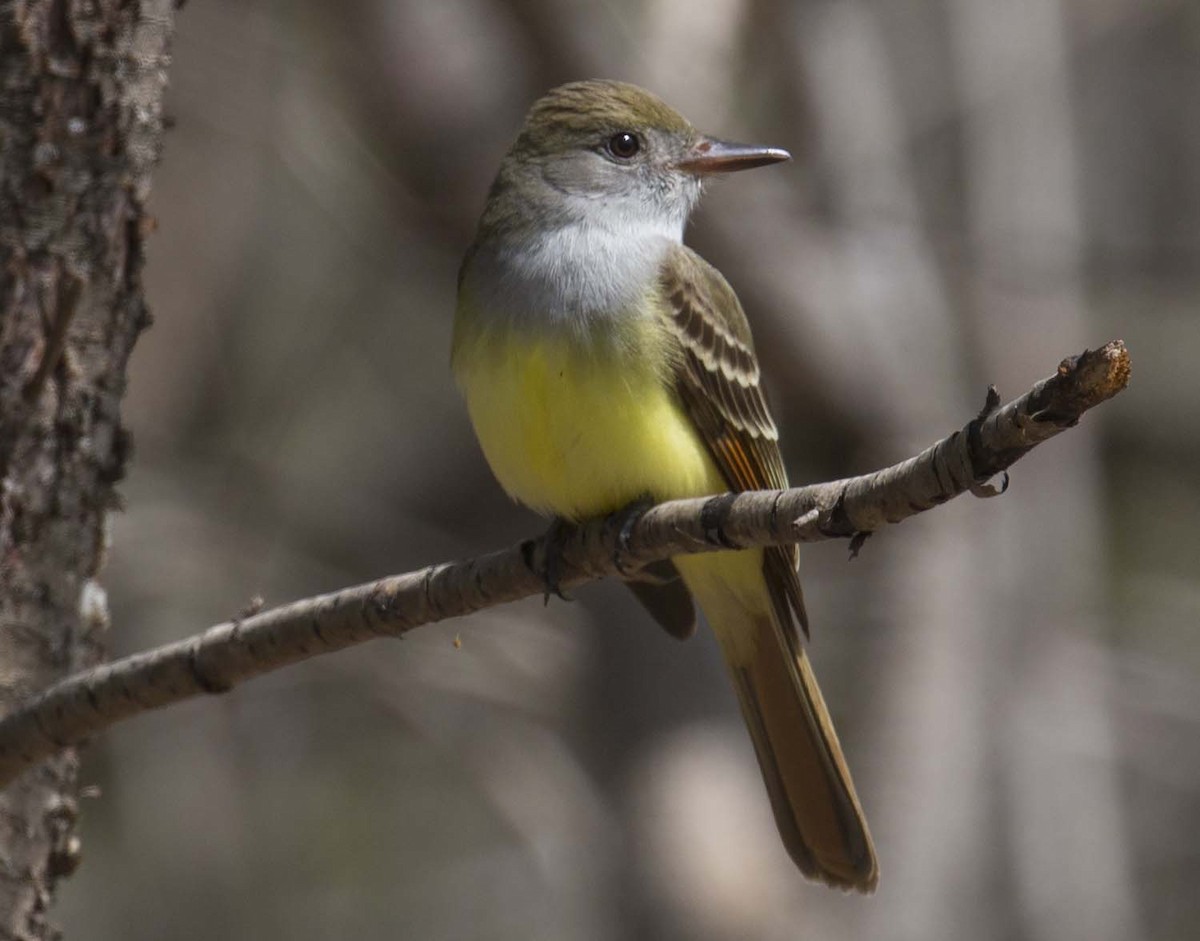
{"x": 604, "y": 364}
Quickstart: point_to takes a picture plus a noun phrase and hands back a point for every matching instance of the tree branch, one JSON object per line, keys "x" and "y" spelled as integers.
{"x": 230, "y": 653}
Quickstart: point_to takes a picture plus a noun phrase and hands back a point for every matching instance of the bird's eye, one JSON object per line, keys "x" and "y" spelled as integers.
{"x": 624, "y": 145}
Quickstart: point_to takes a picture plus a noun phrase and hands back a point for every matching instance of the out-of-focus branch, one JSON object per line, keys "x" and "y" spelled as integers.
{"x": 232, "y": 652}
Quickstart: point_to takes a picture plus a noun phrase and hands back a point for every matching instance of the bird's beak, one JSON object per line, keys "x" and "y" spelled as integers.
{"x": 715, "y": 156}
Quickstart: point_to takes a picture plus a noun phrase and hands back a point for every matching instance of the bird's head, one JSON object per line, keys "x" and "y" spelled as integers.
{"x": 612, "y": 154}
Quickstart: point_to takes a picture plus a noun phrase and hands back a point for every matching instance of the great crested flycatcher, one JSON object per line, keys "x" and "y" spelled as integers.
{"x": 603, "y": 362}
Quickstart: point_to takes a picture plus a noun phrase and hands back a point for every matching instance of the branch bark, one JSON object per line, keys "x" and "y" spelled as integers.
{"x": 230, "y": 653}
{"x": 81, "y": 90}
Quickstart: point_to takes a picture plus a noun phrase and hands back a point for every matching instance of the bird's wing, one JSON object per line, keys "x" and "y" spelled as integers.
{"x": 718, "y": 381}
{"x": 812, "y": 795}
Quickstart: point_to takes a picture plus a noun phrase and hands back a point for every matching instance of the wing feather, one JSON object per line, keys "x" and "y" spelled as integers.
{"x": 718, "y": 381}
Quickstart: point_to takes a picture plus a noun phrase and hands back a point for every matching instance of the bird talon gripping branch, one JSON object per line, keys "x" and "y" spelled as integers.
{"x": 627, "y": 518}
{"x": 552, "y": 561}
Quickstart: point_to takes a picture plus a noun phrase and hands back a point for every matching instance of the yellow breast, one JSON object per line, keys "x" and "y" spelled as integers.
{"x": 579, "y": 426}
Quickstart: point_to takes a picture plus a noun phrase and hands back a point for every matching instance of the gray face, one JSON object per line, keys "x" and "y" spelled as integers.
{"x": 625, "y": 179}
{"x": 577, "y": 225}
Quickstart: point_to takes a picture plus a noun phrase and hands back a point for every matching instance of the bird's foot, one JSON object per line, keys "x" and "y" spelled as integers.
{"x": 550, "y": 566}
{"x": 626, "y": 518}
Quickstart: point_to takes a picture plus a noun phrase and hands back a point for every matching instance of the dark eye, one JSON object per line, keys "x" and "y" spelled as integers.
{"x": 624, "y": 145}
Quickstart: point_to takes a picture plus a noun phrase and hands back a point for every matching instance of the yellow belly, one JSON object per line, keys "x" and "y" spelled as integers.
{"x": 579, "y": 429}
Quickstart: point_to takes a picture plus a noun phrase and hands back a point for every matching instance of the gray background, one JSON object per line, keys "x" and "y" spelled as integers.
{"x": 980, "y": 188}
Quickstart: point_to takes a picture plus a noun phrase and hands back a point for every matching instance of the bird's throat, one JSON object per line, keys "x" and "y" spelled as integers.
{"x": 576, "y": 274}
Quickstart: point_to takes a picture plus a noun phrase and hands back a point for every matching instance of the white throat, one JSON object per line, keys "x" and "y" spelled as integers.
{"x": 590, "y": 270}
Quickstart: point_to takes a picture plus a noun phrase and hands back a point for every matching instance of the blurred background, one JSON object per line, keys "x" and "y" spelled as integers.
{"x": 979, "y": 189}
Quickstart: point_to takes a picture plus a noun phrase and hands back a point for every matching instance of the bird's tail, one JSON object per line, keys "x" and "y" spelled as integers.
{"x": 816, "y": 808}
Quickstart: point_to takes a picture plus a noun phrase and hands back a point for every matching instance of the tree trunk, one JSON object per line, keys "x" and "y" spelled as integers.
{"x": 81, "y": 88}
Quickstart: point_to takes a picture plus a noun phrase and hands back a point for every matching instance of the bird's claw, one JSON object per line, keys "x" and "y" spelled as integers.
{"x": 551, "y": 567}
{"x": 627, "y": 518}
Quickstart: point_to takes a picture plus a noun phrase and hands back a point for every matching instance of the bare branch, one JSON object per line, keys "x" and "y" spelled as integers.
{"x": 230, "y": 653}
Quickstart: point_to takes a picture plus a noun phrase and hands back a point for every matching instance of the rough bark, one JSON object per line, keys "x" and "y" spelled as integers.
{"x": 81, "y": 88}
